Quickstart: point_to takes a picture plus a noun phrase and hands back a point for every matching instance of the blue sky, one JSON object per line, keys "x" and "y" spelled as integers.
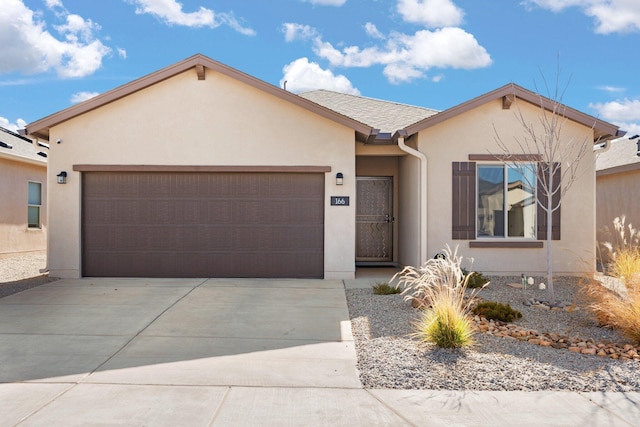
{"x": 431, "y": 53}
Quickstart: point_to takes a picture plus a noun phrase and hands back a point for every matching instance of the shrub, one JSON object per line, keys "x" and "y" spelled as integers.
{"x": 492, "y": 310}
{"x": 385, "y": 289}
{"x": 475, "y": 279}
{"x": 439, "y": 287}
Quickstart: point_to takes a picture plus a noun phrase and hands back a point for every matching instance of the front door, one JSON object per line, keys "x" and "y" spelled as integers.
{"x": 374, "y": 220}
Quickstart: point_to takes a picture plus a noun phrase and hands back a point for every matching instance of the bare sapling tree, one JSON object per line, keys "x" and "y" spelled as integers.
{"x": 547, "y": 157}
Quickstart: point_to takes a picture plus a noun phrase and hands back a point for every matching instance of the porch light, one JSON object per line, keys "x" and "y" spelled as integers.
{"x": 339, "y": 178}
{"x": 62, "y": 177}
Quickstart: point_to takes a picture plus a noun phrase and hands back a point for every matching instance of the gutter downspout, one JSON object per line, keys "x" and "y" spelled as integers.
{"x": 400, "y": 136}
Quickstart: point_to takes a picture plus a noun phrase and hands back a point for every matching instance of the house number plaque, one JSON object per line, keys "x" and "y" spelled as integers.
{"x": 339, "y": 200}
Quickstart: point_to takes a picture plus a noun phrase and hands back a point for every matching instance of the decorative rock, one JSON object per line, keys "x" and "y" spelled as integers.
{"x": 589, "y": 347}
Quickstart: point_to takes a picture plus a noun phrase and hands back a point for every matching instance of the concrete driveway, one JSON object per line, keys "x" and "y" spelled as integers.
{"x": 180, "y": 352}
{"x": 215, "y": 352}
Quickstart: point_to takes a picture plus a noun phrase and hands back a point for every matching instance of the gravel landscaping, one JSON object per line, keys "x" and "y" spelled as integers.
{"x": 21, "y": 272}
{"x": 389, "y": 358}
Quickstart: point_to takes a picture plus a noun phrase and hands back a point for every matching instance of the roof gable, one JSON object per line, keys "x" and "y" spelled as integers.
{"x": 602, "y": 129}
{"x": 199, "y": 63}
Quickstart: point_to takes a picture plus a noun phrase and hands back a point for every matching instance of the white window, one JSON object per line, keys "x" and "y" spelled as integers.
{"x": 506, "y": 203}
{"x": 35, "y": 204}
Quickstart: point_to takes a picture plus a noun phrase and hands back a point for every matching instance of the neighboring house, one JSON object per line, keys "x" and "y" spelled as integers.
{"x": 23, "y": 210}
{"x": 617, "y": 188}
{"x": 201, "y": 170}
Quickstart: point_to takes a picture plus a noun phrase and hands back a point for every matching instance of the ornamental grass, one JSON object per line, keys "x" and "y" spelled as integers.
{"x": 438, "y": 288}
{"x": 618, "y": 306}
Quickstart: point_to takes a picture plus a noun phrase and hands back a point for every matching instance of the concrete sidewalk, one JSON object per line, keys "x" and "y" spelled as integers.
{"x": 198, "y": 352}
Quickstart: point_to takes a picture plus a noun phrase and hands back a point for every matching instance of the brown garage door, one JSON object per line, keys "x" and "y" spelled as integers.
{"x": 168, "y": 224}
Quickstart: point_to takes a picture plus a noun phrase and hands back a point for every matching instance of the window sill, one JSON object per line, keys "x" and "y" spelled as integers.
{"x": 511, "y": 245}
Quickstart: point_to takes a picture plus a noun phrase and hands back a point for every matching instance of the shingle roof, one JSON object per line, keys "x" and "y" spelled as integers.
{"x": 386, "y": 116}
{"x": 620, "y": 156}
{"x": 18, "y": 147}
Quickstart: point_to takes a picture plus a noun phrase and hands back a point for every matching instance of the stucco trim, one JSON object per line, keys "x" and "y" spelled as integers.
{"x": 23, "y": 159}
{"x": 506, "y": 244}
{"x": 602, "y": 129}
{"x": 40, "y": 128}
{"x": 187, "y": 168}
{"x": 619, "y": 169}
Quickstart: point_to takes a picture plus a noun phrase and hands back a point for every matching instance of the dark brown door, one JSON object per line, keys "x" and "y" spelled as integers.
{"x": 167, "y": 224}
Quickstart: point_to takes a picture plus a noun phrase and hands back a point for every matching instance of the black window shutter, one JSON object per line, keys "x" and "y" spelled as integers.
{"x": 464, "y": 199}
{"x": 541, "y": 214}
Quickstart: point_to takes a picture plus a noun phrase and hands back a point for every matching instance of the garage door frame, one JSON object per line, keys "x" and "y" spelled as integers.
{"x": 208, "y": 169}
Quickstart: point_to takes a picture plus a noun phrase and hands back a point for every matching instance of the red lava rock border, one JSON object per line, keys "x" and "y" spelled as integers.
{"x": 576, "y": 345}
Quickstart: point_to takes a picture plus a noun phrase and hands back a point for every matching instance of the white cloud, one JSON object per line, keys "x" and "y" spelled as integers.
{"x": 302, "y": 75}
{"x": 611, "y": 16}
{"x": 372, "y": 31}
{"x": 631, "y": 128}
{"x": 626, "y": 109}
{"x": 326, "y": 2}
{"x": 122, "y": 53}
{"x": 612, "y": 89}
{"x": 431, "y": 13}
{"x": 407, "y": 57}
{"x": 293, "y": 32}
{"x": 624, "y": 113}
{"x": 82, "y": 96}
{"x": 53, "y": 3}
{"x": 171, "y": 13}
{"x": 32, "y": 49}
{"x": 13, "y": 127}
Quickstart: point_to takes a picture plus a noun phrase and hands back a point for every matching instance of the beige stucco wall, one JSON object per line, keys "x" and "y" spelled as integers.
{"x": 184, "y": 121}
{"x": 473, "y": 132}
{"x": 15, "y": 236}
{"x": 617, "y": 196}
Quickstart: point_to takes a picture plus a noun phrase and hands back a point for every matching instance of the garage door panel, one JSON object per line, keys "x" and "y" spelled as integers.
{"x": 203, "y": 224}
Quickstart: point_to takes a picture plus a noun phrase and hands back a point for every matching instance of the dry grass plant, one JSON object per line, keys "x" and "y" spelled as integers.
{"x": 619, "y": 306}
{"x": 623, "y": 251}
{"x": 439, "y": 287}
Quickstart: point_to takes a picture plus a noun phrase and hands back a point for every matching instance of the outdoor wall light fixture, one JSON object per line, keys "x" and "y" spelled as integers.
{"x": 339, "y": 178}
{"x": 62, "y": 177}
